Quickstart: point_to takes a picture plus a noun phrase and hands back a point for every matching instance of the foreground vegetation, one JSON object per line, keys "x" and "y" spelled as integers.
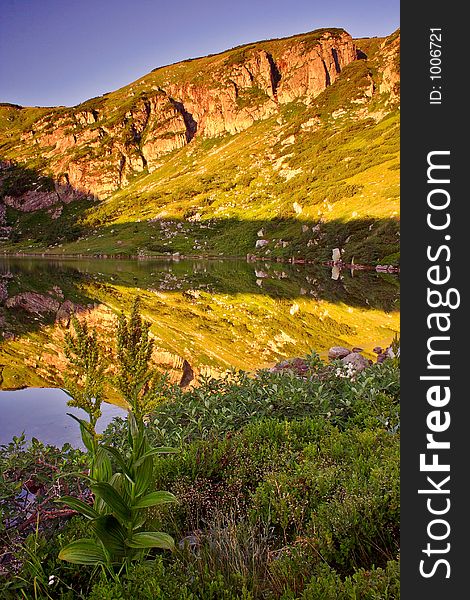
{"x": 286, "y": 487}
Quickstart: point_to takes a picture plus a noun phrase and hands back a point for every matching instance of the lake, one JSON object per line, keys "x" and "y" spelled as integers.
{"x": 42, "y": 413}
{"x": 211, "y": 314}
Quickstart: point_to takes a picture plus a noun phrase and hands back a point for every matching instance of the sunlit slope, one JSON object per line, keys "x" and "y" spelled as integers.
{"x": 308, "y": 175}
{"x": 304, "y": 191}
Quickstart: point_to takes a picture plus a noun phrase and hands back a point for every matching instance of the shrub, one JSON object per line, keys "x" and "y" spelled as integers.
{"x": 217, "y": 407}
{"x": 288, "y": 488}
{"x": 304, "y": 479}
{"x": 373, "y": 584}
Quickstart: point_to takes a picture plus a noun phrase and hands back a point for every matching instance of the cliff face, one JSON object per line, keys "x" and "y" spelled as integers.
{"x": 97, "y": 147}
{"x": 253, "y": 89}
{"x": 390, "y": 53}
{"x": 220, "y": 155}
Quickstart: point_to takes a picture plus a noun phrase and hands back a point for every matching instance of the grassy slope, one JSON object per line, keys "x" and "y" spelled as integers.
{"x": 219, "y": 193}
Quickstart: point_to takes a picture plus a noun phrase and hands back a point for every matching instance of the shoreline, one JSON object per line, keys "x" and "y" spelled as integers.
{"x": 176, "y": 257}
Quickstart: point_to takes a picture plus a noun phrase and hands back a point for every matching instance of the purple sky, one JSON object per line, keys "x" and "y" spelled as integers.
{"x": 61, "y": 52}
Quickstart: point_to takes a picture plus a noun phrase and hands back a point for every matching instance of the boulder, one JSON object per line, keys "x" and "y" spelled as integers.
{"x": 336, "y": 255}
{"x": 338, "y": 352}
{"x": 387, "y": 353}
{"x": 294, "y": 309}
{"x": 356, "y": 360}
{"x": 298, "y": 366}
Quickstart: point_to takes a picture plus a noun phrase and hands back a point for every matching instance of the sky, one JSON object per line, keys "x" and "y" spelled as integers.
{"x": 62, "y": 52}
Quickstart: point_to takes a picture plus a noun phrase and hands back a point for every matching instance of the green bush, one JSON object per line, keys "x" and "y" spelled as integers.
{"x": 303, "y": 478}
{"x": 373, "y": 584}
{"x": 288, "y": 488}
{"x": 217, "y": 407}
{"x": 159, "y": 581}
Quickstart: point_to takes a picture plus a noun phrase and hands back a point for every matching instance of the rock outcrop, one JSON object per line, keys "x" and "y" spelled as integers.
{"x": 356, "y": 361}
{"x": 349, "y": 362}
{"x": 337, "y": 352}
{"x": 390, "y": 83}
{"x": 97, "y": 147}
{"x": 32, "y": 200}
{"x": 33, "y": 302}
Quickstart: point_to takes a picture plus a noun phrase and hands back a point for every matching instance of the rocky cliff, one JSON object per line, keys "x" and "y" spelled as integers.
{"x": 209, "y": 140}
{"x": 98, "y": 146}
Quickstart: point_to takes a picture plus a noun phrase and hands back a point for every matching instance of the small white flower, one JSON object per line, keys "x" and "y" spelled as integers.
{"x": 51, "y": 579}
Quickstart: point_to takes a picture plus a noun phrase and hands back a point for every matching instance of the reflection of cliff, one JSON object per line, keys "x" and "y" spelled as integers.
{"x": 39, "y": 359}
{"x": 213, "y": 315}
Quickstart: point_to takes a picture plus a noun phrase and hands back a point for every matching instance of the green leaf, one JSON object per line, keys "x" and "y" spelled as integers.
{"x": 111, "y": 533}
{"x": 87, "y": 439}
{"x": 81, "y": 422}
{"x": 162, "y": 450}
{"x": 81, "y": 507}
{"x": 144, "y": 476}
{"x": 112, "y": 498}
{"x": 102, "y": 470}
{"x": 138, "y": 520}
{"x": 152, "y": 539}
{"x": 134, "y": 428}
{"x": 122, "y": 485}
{"x": 83, "y": 552}
{"x": 119, "y": 459}
{"x": 100, "y": 506}
{"x": 87, "y": 436}
{"x": 154, "y": 498}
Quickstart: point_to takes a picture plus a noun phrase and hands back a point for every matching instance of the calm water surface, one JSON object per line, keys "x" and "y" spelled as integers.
{"x": 42, "y": 413}
{"x": 215, "y": 314}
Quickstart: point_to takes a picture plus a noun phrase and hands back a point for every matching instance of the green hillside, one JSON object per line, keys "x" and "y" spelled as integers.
{"x": 304, "y": 170}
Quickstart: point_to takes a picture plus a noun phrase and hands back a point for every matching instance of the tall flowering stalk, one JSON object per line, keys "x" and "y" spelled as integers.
{"x": 121, "y": 481}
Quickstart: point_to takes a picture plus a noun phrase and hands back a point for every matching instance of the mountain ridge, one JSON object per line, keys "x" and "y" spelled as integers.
{"x": 86, "y": 157}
